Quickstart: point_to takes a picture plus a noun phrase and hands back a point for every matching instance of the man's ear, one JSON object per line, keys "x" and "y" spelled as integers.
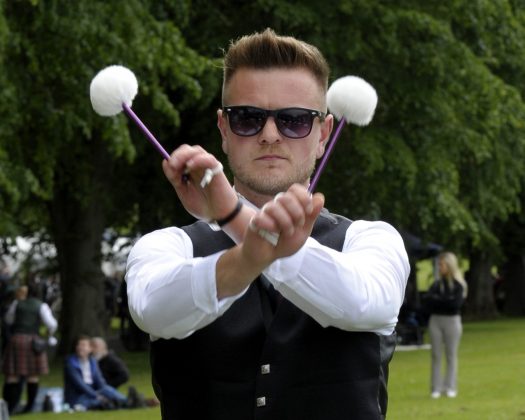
{"x": 222, "y": 124}
{"x": 326, "y": 129}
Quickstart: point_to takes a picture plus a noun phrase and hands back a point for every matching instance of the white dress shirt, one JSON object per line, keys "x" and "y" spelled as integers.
{"x": 172, "y": 294}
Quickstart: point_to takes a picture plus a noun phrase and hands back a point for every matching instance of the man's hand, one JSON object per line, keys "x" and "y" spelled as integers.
{"x": 185, "y": 169}
{"x": 291, "y": 215}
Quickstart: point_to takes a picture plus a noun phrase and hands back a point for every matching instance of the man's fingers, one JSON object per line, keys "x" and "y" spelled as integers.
{"x": 317, "y": 206}
{"x": 191, "y": 163}
{"x": 289, "y": 211}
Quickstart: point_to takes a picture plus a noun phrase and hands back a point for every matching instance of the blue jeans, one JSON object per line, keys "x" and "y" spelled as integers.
{"x": 107, "y": 391}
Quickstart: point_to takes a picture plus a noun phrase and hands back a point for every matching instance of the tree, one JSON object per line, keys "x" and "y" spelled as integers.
{"x": 442, "y": 157}
{"x": 80, "y": 165}
{"x": 444, "y": 145}
{"x": 496, "y": 34}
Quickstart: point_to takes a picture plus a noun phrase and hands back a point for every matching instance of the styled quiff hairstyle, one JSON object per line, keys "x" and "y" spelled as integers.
{"x": 267, "y": 50}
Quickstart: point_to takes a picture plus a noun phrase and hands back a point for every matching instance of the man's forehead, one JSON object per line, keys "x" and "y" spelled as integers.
{"x": 252, "y": 83}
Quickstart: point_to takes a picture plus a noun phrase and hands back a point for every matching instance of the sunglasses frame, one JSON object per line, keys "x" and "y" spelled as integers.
{"x": 274, "y": 113}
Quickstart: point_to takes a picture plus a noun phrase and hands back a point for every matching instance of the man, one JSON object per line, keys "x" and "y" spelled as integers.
{"x": 242, "y": 329}
{"x": 111, "y": 366}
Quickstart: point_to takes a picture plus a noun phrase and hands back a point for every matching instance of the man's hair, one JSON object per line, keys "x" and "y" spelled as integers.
{"x": 267, "y": 50}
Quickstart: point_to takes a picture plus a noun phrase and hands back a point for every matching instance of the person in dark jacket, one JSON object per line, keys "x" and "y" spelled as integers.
{"x": 443, "y": 302}
{"x": 22, "y": 361}
{"x": 269, "y": 306}
{"x": 112, "y": 367}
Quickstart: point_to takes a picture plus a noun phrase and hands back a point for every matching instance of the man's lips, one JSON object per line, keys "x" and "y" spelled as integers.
{"x": 270, "y": 158}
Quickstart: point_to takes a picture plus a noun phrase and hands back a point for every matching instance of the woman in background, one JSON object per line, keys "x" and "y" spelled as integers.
{"x": 443, "y": 302}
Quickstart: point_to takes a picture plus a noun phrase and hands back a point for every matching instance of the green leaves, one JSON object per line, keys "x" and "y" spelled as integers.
{"x": 442, "y": 157}
{"x": 50, "y": 53}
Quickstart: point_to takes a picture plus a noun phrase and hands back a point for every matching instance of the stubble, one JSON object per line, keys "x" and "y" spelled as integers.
{"x": 269, "y": 184}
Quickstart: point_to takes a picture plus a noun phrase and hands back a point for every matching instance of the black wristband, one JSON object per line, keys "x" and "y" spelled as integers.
{"x": 231, "y": 216}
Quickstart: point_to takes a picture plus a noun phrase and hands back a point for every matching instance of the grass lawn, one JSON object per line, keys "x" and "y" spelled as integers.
{"x": 491, "y": 380}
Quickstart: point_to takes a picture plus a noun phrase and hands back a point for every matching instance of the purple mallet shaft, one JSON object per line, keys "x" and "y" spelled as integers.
{"x": 145, "y": 130}
{"x": 327, "y": 154}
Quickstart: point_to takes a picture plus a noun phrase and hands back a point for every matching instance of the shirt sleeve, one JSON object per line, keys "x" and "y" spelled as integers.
{"x": 171, "y": 294}
{"x": 47, "y": 318}
{"x": 360, "y": 288}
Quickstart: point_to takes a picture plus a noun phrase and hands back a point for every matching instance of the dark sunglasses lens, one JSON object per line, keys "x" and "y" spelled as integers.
{"x": 294, "y": 122}
{"x": 246, "y": 121}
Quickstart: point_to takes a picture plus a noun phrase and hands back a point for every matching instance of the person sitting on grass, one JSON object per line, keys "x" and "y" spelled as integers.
{"x": 84, "y": 385}
{"x": 112, "y": 367}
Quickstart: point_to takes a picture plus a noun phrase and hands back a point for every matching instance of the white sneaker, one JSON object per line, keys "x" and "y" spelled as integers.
{"x": 435, "y": 394}
{"x": 452, "y": 394}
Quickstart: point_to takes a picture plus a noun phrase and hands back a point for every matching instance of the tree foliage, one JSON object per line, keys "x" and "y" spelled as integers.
{"x": 76, "y": 170}
{"x": 442, "y": 157}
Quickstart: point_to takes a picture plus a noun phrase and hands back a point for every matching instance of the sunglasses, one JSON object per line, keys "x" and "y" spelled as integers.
{"x": 294, "y": 123}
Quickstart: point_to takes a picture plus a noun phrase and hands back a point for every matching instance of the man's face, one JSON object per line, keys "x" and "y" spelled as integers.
{"x": 269, "y": 162}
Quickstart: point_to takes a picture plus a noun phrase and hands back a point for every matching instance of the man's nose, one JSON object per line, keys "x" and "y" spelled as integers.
{"x": 270, "y": 133}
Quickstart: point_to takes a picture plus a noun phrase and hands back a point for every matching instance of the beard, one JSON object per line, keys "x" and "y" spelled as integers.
{"x": 266, "y": 184}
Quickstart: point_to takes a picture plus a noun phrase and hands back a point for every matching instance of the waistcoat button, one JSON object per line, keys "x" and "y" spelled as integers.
{"x": 261, "y": 401}
{"x": 265, "y": 369}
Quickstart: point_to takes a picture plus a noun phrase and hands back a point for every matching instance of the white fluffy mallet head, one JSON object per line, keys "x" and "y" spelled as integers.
{"x": 111, "y": 91}
{"x": 353, "y": 99}
{"x": 112, "y": 87}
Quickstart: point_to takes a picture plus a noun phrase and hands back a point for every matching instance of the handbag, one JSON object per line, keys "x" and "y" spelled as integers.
{"x": 38, "y": 344}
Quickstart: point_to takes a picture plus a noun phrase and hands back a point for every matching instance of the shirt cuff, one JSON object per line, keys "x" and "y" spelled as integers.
{"x": 204, "y": 287}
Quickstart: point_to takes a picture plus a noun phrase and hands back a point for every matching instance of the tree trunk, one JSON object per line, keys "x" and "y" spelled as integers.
{"x": 78, "y": 219}
{"x": 480, "y": 300}
{"x": 81, "y": 277}
{"x": 514, "y": 285}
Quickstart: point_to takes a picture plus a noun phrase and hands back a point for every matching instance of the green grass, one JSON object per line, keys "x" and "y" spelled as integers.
{"x": 491, "y": 379}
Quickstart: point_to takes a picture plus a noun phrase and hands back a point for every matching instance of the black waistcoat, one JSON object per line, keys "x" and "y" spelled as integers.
{"x": 254, "y": 364}
{"x": 27, "y": 316}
